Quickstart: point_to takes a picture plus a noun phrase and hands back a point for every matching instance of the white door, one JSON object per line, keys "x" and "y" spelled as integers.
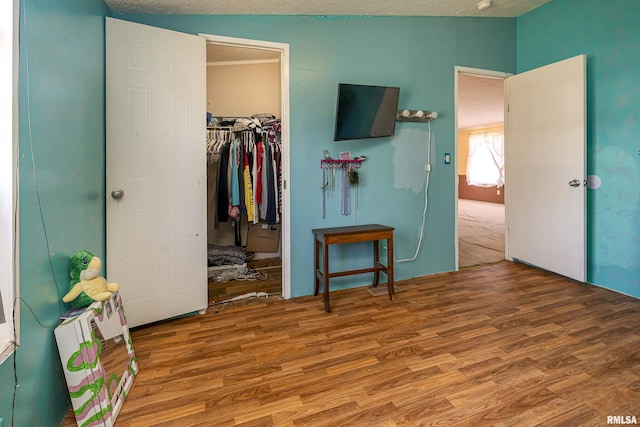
{"x": 156, "y": 162}
{"x": 545, "y": 167}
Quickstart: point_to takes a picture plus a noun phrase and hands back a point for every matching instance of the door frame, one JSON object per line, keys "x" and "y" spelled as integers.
{"x": 283, "y": 48}
{"x": 480, "y": 73}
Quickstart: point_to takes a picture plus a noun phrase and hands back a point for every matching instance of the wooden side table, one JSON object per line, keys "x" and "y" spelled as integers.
{"x": 324, "y": 237}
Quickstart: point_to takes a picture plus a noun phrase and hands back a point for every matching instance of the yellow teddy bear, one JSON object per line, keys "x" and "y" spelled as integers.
{"x": 86, "y": 285}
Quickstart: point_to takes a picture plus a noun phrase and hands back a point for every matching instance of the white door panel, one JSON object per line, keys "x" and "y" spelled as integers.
{"x": 156, "y": 153}
{"x": 545, "y": 130}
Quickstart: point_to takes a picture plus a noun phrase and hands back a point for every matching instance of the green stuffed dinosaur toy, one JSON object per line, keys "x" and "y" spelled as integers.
{"x": 86, "y": 285}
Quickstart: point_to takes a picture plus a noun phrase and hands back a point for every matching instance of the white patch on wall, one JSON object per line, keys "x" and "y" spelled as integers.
{"x": 410, "y": 159}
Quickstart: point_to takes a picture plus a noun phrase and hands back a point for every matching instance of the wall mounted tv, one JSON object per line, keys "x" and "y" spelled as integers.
{"x": 365, "y": 111}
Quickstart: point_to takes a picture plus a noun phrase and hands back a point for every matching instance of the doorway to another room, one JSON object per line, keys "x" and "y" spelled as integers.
{"x": 480, "y": 161}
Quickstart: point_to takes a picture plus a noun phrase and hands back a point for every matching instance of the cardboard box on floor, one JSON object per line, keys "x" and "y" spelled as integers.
{"x": 263, "y": 237}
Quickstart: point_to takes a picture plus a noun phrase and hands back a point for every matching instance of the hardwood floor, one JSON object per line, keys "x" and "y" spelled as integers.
{"x": 500, "y": 345}
{"x": 264, "y": 275}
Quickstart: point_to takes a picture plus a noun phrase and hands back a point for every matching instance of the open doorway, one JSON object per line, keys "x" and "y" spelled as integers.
{"x": 480, "y": 209}
{"x": 246, "y": 81}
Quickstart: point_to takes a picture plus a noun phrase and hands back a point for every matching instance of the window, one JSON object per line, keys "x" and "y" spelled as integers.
{"x": 8, "y": 171}
{"x": 485, "y": 165}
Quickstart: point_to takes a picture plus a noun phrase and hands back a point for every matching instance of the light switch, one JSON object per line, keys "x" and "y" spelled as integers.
{"x": 447, "y": 158}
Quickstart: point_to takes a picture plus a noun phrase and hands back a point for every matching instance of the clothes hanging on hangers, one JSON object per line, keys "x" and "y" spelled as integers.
{"x": 245, "y": 173}
{"x": 248, "y": 187}
{"x": 271, "y": 185}
{"x": 213, "y": 165}
{"x": 223, "y": 188}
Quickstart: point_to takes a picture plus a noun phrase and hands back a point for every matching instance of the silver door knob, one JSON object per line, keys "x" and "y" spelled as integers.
{"x": 574, "y": 183}
{"x": 117, "y": 194}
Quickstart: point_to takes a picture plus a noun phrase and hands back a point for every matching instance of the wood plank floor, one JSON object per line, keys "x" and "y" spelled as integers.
{"x": 268, "y": 279}
{"x": 500, "y": 345}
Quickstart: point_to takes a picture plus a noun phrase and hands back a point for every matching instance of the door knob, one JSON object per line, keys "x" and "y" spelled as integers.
{"x": 574, "y": 183}
{"x": 117, "y": 194}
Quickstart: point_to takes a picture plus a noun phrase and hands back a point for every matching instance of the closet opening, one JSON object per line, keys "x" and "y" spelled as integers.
{"x": 247, "y": 166}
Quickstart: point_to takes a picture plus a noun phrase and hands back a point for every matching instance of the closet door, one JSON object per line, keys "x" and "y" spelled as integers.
{"x": 156, "y": 170}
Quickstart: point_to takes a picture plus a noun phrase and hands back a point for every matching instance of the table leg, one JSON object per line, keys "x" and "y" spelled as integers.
{"x": 376, "y": 261}
{"x": 316, "y": 264}
{"x": 325, "y": 276}
{"x": 390, "y": 266}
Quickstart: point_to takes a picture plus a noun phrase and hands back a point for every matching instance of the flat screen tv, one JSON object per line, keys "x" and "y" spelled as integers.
{"x": 365, "y": 111}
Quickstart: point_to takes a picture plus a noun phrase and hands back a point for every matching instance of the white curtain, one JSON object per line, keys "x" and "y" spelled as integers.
{"x": 485, "y": 165}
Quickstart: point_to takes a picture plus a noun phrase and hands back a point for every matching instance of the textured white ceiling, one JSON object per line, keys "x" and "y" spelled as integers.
{"x": 499, "y": 8}
{"x": 480, "y": 101}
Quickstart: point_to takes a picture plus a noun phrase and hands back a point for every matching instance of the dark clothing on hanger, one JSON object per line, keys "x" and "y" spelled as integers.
{"x": 271, "y": 187}
{"x": 223, "y": 192}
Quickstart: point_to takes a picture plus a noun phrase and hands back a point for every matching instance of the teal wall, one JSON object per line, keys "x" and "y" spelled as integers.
{"x": 65, "y": 103}
{"x": 607, "y": 32}
{"x": 62, "y": 124}
{"x": 416, "y": 54}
